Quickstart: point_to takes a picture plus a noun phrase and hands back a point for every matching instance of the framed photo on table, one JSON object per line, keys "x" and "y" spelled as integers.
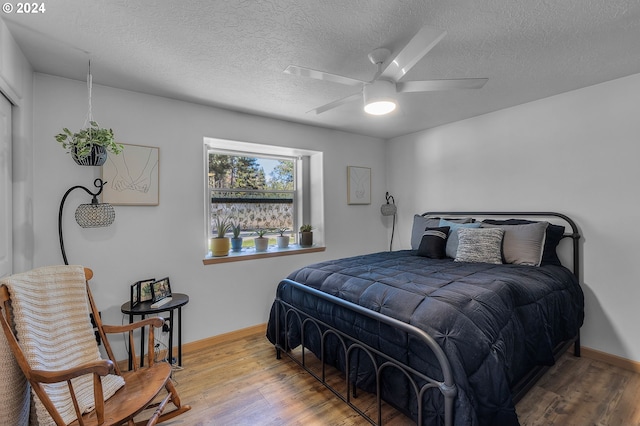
{"x": 160, "y": 289}
{"x": 145, "y": 289}
{"x": 134, "y": 298}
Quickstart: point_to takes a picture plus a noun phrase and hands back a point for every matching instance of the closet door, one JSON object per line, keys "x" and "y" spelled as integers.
{"x": 6, "y": 182}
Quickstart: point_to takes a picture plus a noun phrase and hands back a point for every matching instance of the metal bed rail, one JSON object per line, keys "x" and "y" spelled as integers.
{"x": 286, "y": 312}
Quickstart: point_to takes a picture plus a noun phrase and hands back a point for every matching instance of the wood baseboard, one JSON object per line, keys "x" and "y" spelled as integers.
{"x": 615, "y": 360}
{"x": 223, "y": 338}
{"x": 209, "y": 341}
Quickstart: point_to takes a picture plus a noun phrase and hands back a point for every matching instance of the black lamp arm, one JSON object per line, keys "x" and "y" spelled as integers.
{"x": 389, "y": 197}
{"x": 98, "y": 183}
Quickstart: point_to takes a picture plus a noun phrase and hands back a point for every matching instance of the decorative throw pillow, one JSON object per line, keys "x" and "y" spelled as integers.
{"x": 553, "y": 236}
{"x": 420, "y": 223}
{"x": 434, "y": 241}
{"x": 480, "y": 245}
{"x": 522, "y": 244}
{"x": 452, "y": 241}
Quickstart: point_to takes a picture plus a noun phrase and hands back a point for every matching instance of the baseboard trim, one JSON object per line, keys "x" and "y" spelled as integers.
{"x": 614, "y": 360}
{"x": 223, "y": 338}
{"x": 197, "y": 345}
{"x": 213, "y": 340}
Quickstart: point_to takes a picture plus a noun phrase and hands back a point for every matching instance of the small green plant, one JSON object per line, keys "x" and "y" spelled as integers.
{"x": 81, "y": 142}
{"x": 281, "y": 231}
{"x": 236, "y": 228}
{"x": 306, "y": 228}
{"x": 261, "y": 231}
{"x": 222, "y": 225}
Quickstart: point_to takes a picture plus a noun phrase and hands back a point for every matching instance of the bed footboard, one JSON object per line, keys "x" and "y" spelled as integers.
{"x": 287, "y": 315}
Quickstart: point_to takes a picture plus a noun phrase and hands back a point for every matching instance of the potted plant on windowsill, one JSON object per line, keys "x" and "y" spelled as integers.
{"x": 89, "y": 146}
{"x": 261, "y": 242}
{"x": 306, "y": 236}
{"x": 220, "y": 243}
{"x": 236, "y": 240}
{"x": 282, "y": 240}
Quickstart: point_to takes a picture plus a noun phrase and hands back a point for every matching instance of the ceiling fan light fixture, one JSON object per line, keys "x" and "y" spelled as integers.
{"x": 379, "y": 97}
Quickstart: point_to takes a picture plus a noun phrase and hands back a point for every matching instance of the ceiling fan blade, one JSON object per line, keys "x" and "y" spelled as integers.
{"x": 334, "y": 104}
{"x": 321, "y": 75}
{"x": 417, "y": 47}
{"x": 435, "y": 85}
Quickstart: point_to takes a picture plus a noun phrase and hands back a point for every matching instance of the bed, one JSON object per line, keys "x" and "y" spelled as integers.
{"x": 446, "y": 333}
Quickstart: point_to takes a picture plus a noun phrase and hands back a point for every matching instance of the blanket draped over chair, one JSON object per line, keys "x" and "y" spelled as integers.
{"x": 14, "y": 389}
{"x": 51, "y": 317}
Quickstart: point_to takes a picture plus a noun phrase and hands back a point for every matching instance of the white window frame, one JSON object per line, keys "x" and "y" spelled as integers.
{"x": 309, "y": 188}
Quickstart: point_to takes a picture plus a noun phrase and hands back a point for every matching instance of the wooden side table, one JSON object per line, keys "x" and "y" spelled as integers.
{"x": 178, "y": 300}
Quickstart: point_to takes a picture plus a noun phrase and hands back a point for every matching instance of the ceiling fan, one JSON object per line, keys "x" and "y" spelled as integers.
{"x": 379, "y": 94}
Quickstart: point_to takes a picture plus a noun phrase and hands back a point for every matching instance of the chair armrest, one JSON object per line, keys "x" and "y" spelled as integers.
{"x": 101, "y": 367}
{"x": 155, "y": 321}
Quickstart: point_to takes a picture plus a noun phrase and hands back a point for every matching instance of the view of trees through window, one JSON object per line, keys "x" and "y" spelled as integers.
{"x": 256, "y": 193}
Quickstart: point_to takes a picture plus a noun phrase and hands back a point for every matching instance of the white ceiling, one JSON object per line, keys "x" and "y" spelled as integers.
{"x": 231, "y": 54}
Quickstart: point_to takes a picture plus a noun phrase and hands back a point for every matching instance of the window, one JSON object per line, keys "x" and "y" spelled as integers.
{"x": 262, "y": 187}
{"x": 255, "y": 192}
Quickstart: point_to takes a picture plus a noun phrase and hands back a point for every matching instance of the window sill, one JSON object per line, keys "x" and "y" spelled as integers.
{"x": 250, "y": 254}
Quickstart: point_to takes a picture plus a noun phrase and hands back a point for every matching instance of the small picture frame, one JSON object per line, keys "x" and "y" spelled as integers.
{"x": 145, "y": 289}
{"x": 358, "y": 185}
{"x": 160, "y": 289}
{"x": 134, "y": 299}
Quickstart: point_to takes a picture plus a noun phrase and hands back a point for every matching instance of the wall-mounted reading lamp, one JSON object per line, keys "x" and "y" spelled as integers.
{"x": 94, "y": 215}
{"x": 390, "y": 209}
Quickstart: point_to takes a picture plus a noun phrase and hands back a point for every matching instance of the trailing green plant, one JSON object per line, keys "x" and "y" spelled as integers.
{"x": 81, "y": 142}
{"x": 222, "y": 225}
{"x": 306, "y": 228}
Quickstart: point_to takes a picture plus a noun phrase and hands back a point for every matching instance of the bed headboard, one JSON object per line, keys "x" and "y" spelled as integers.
{"x": 574, "y": 234}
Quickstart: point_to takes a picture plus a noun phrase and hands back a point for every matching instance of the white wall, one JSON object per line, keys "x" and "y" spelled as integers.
{"x": 575, "y": 153}
{"x": 168, "y": 240}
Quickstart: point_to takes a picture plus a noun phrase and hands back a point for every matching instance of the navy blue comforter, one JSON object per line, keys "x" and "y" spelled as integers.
{"x": 494, "y": 322}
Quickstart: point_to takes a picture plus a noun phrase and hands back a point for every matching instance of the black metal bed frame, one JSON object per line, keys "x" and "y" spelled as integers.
{"x": 286, "y": 312}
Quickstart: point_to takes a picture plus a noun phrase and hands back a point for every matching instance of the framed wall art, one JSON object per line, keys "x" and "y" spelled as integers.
{"x": 132, "y": 177}
{"x": 358, "y": 185}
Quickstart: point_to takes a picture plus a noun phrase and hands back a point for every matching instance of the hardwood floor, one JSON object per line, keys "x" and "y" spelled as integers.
{"x": 240, "y": 382}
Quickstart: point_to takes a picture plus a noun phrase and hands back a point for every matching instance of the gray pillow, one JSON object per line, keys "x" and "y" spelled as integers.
{"x": 480, "y": 245}
{"x": 420, "y": 223}
{"x": 523, "y": 244}
{"x": 452, "y": 241}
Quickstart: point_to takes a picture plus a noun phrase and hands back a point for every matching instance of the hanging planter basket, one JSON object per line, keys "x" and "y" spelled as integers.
{"x": 89, "y": 146}
{"x": 96, "y": 157}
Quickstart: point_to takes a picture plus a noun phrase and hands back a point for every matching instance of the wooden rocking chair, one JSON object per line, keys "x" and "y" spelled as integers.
{"x": 141, "y": 388}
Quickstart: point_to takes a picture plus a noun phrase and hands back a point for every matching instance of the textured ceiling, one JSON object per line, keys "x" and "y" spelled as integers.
{"x": 231, "y": 54}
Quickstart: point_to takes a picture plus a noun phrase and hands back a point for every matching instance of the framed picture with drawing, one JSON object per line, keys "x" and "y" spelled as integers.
{"x": 132, "y": 177}
{"x": 358, "y": 185}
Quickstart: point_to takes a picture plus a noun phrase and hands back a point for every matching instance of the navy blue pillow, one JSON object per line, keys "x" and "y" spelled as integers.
{"x": 553, "y": 236}
{"x": 434, "y": 242}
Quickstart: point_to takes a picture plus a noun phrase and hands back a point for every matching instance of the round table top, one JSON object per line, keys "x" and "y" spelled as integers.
{"x": 143, "y": 308}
